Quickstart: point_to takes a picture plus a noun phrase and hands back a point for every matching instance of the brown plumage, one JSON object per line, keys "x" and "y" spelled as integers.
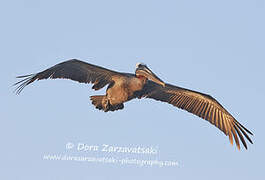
{"x": 123, "y": 87}
{"x": 201, "y": 105}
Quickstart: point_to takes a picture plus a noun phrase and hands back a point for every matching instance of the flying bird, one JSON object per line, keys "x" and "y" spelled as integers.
{"x": 123, "y": 87}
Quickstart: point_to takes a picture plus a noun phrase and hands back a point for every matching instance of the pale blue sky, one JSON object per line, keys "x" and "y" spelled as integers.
{"x": 216, "y": 47}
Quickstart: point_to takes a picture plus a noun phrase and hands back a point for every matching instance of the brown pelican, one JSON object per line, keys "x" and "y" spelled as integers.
{"x": 123, "y": 87}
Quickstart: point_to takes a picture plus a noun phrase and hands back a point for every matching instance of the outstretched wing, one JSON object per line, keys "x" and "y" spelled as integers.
{"x": 201, "y": 105}
{"x": 72, "y": 69}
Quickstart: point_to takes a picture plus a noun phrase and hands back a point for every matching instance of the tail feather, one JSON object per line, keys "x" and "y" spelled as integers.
{"x": 102, "y": 103}
{"x": 97, "y": 101}
{"x": 116, "y": 107}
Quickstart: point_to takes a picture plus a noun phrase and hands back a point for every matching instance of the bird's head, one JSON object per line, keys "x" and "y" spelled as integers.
{"x": 143, "y": 71}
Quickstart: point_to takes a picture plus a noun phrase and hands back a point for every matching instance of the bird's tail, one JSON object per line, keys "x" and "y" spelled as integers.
{"x": 98, "y": 101}
{"x": 102, "y": 103}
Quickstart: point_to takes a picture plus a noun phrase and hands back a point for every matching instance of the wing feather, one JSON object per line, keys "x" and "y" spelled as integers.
{"x": 72, "y": 69}
{"x": 202, "y": 105}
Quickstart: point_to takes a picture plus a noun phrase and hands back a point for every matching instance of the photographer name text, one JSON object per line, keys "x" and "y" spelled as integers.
{"x": 107, "y": 148}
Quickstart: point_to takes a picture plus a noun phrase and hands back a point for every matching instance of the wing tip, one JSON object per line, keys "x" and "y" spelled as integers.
{"x": 23, "y": 83}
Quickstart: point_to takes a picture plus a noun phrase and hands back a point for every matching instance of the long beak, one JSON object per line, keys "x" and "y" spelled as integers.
{"x": 146, "y": 72}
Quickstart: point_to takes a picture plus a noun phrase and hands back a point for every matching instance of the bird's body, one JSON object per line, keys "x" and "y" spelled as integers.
{"x": 123, "y": 87}
{"x": 121, "y": 90}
